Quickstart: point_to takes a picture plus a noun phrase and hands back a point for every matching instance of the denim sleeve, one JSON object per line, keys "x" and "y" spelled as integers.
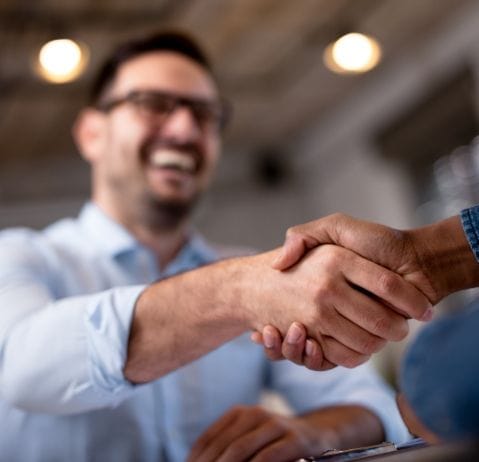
{"x": 470, "y": 223}
{"x": 439, "y": 375}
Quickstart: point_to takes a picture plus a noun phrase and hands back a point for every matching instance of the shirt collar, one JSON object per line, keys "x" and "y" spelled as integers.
{"x": 114, "y": 240}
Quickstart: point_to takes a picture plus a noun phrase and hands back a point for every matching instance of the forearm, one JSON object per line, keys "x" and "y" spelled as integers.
{"x": 342, "y": 427}
{"x": 177, "y": 320}
{"x": 445, "y": 256}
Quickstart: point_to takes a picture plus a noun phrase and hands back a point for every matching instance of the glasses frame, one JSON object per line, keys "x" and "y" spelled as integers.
{"x": 218, "y": 111}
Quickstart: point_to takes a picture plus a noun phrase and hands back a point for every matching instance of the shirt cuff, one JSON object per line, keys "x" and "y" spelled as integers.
{"x": 470, "y": 224}
{"x": 108, "y": 321}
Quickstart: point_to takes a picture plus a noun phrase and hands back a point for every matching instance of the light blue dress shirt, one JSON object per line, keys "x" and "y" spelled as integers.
{"x": 67, "y": 296}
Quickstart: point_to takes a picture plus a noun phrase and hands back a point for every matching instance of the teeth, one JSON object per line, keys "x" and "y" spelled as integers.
{"x": 173, "y": 159}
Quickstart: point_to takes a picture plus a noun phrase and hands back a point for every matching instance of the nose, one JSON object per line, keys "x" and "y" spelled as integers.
{"x": 181, "y": 125}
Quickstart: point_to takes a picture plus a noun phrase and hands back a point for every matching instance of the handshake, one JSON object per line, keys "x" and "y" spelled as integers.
{"x": 364, "y": 281}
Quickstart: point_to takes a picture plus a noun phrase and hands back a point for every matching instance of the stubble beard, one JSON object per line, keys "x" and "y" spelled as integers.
{"x": 165, "y": 215}
{"x": 141, "y": 207}
{"x": 161, "y": 214}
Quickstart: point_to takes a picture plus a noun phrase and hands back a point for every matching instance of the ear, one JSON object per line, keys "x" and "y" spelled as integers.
{"x": 89, "y": 132}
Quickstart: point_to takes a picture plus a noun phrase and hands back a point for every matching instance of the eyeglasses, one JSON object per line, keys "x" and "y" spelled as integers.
{"x": 156, "y": 106}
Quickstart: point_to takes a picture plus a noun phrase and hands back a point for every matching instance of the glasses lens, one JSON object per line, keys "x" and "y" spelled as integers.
{"x": 207, "y": 114}
{"x": 154, "y": 104}
{"x": 157, "y": 106}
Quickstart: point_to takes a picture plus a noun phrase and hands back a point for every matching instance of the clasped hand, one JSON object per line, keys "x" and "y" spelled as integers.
{"x": 365, "y": 295}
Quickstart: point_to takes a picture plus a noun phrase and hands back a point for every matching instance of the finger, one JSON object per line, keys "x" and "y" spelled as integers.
{"x": 336, "y": 353}
{"x": 376, "y": 322}
{"x": 314, "y": 358}
{"x": 301, "y": 238}
{"x": 282, "y": 450}
{"x": 294, "y": 344}
{"x": 245, "y": 447}
{"x": 293, "y": 249}
{"x": 311, "y": 354}
{"x": 211, "y": 434}
{"x": 388, "y": 286}
{"x": 256, "y": 337}
{"x": 350, "y": 322}
{"x": 272, "y": 343}
{"x": 246, "y": 420}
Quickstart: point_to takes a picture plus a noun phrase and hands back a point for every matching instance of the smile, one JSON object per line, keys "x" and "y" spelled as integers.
{"x": 173, "y": 159}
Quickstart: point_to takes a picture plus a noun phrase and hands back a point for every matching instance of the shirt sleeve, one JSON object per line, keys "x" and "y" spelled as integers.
{"x": 59, "y": 356}
{"x": 306, "y": 390}
{"x": 470, "y": 224}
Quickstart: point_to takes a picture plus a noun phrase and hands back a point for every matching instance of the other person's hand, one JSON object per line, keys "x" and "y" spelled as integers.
{"x": 436, "y": 259}
{"x": 348, "y": 305}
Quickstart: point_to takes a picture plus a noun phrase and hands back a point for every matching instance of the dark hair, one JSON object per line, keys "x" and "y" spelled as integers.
{"x": 159, "y": 41}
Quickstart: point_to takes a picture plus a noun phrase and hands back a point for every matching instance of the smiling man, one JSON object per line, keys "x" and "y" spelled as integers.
{"x": 107, "y": 353}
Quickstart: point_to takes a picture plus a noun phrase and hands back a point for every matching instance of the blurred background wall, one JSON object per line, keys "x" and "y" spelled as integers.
{"x": 394, "y": 145}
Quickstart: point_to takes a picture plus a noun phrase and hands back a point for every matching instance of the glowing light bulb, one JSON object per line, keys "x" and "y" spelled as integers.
{"x": 353, "y": 53}
{"x": 62, "y": 60}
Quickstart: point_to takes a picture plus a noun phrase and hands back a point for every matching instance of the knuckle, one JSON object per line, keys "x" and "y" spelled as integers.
{"x": 273, "y": 355}
{"x": 293, "y": 231}
{"x": 292, "y": 354}
{"x": 390, "y": 329}
{"x": 325, "y": 320}
{"x": 238, "y": 409}
{"x": 263, "y": 458}
{"x": 256, "y": 411}
{"x": 353, "y": 360}
{"x": 236, "y": 450}
{"x": 383, "y": 328}
{"x": 314, "y": 364}
{"x": 343, "y": 356}
{"x": 325, "y": 290}
{"x": 357, "y": 361}
{"x": 337, "y": 217}
{"x": 387, "y": 283}
{"x": 333, "y": 253}
{"x": 371, "y": 344}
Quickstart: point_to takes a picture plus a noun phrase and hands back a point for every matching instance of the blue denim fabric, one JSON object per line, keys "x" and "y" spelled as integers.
{"x": 470, "y": 223}
{"x": 439, "y": 374}
{"x": 440, "y": 377}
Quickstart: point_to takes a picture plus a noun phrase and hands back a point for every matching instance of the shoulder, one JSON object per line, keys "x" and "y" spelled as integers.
{"x": 26, "y": 245}
{"x": 21, "y": 248}
{"x": 15, "y": 239}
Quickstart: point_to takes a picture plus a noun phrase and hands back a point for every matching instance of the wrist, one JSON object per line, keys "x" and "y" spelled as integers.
{"x": 226, "y": 293}
{"x": 445, "y": 257}
{"x": 250, "y": 282}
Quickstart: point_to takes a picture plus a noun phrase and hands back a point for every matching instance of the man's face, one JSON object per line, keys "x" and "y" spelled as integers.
{"x": 153, "y": 158}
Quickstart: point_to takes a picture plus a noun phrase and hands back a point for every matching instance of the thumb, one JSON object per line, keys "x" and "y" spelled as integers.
{"x": 293, "y": 249}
